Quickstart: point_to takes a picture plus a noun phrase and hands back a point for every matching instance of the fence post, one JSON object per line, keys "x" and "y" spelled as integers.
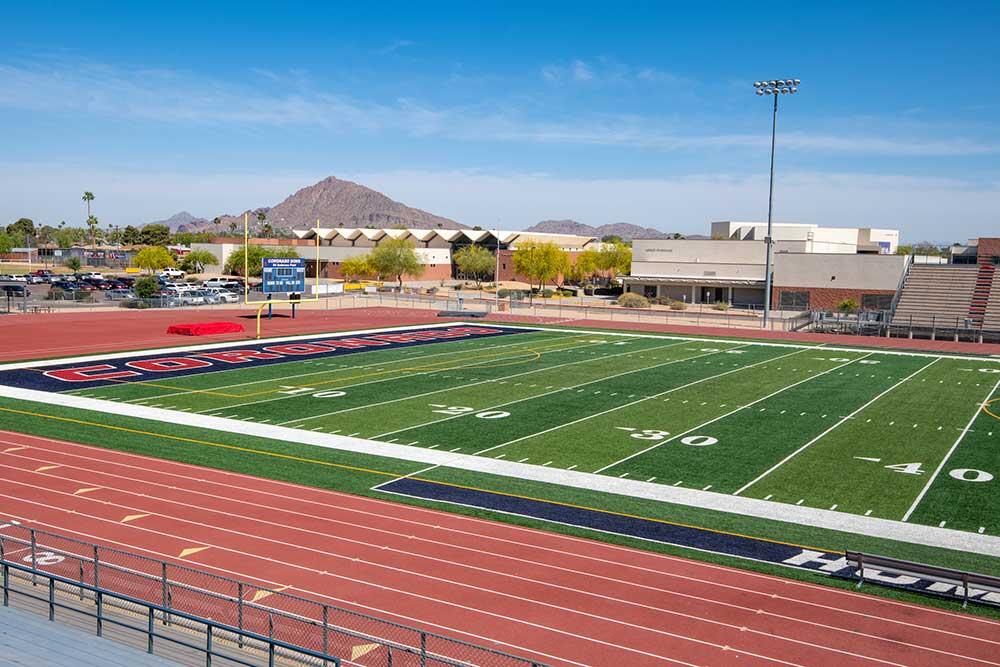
{"x": 100, "y": 613}
{"x": 208, "y": 646}
{"x": 99, "y": 597}
{"x": 52, "y": 599}
{"x": 965, "y": 585}
{"x": 861, "y": 569}
{"x": 6, "y": 585}
{"x": 149, "y": 631}
{"x": 166, "y": 601}
{"x": 423, "y": 649}
{"x": 34, "y": 562}
{"x": 388, "y": 662}
{"x": 239, "y": 611}
{"x": 326, "y": 633}
{"x": 81, "y": 580}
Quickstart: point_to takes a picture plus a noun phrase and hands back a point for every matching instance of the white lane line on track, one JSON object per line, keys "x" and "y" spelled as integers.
{"x": 840, "y": 421}
{"x": 392, "y": 512}
{"x": 418, "y": 555}
{"x": 527, "y": 579}
{"x": 312, "y": 571}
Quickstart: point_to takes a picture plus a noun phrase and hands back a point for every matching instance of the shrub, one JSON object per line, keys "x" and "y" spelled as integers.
{"x": 146, "y": 286}
{"x": 847, "y": 306}
{"x": 630, "y": 300}
{"x": 720, "y": 305}
{"x": 564, "y": 292}
{"x": 678, "y": 305}
{"x": 588, "y": 290}
{"x": 503, "y": 292}
{"x": 547, "y": 293}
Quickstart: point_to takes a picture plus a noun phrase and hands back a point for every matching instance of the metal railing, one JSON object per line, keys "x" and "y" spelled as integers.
{"x": 957, "y": 579}
{"x": 242, "y": 612}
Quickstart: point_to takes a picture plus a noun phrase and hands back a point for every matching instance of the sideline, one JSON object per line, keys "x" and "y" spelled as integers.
{"x": 932, "y": 536}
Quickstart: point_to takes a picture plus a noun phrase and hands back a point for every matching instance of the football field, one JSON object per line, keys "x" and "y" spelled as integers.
{"x": 907, "y": 437}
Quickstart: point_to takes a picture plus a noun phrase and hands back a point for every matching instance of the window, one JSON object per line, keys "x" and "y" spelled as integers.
{"x": 794, "y": 300}
{"x": 876, "y": 301}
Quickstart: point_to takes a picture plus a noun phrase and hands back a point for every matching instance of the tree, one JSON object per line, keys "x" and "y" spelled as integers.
{"x": 587, "y": 263}
{"x": 73, "y": 264}
{"x": 130, "y": 235}
{"x": 539, "y": 262}
{"x": 616, "y": 258}
{"x": 232, "y": 226}
{"x": 146, "y": 286}
{"x": 254, "y": 256}
{"x": 261, "y": 217}
{"x": 359, "y": 266}
{"x": 154, "y": 235}
{"x": 7, "y": 242}
{"x": 476, "y": 262}
{"x": 217, "y": 221}
{"x": 23, "y": 227}
{"x": 396, "y": 257}
{"x": 196, "y": 261}
{"x": 88, "y": 197}
{"x": 92, "y": 226}
{"x": 267, "y": 230}
{"x": 153, "y": 258}
{"x": 611, "y": 238}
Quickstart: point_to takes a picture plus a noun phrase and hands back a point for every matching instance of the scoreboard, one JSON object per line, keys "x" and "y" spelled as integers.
{"x": 284, "y": 274}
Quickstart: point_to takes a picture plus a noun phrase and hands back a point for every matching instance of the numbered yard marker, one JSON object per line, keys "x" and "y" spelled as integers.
{"x": 492, "y": 414}
{"x": 647, "y": 434}
{"x": 869, "y": 362}
{"x": 333, "y": 393}
{"x": 699, "y": 440}
{"x": 970, "y": 475}
{"x": 906, "y": 468}
{"x": 452, "y": 409}
{"x": 292, "y": 391}
{"x": 989, "y": 370}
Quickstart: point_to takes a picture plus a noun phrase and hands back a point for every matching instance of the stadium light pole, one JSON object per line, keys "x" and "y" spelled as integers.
{"x": 774, "y": 87}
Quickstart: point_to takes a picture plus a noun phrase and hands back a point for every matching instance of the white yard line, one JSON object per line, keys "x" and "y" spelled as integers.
{"x": 561, "y": 389}
{"x": 639, "y": 400}
{"x": 958, "y": 441}
{"x": 384, "y": 362}
{"x": 731, "y": 412}
{"x": 827, "y": 431}
{"x": 472, "y": 384}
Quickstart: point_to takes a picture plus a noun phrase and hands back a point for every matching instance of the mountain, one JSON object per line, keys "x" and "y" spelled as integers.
{"x": 335, "y": 203}
{"x": 178, "y": 220}
{"x": 626, "y": 231}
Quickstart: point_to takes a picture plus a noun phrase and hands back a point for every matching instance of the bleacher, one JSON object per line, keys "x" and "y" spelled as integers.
{"x": 938, "y": 295}
{"x": 991, "y": 318}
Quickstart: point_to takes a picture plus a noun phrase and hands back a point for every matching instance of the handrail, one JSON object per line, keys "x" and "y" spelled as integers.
{"x": 151, "y": 607}
{"x": 901, "y": 284}
{"x": 944, "y": 575}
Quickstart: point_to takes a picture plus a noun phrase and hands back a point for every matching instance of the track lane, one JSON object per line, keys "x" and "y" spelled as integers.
{"x": 615, "y": 552}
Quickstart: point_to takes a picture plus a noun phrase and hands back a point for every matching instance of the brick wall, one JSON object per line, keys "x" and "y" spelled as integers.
{"x": 431, "y": 272}
{"x": 988, "y": 248}
{"x": 825, "y": 298}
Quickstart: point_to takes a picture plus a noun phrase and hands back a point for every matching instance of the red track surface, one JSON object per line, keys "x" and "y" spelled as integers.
{"x": 35, "y": 336}
{"x": 564, "y": 600}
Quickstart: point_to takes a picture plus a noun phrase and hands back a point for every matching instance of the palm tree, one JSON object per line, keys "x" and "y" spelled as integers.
{"x": 88, "y": 197}
{"x": 92, "y": 223}
{"x": 261, "y": 217}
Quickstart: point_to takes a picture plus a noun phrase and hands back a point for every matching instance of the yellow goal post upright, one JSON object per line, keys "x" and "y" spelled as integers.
{"x": 246, "y": 274}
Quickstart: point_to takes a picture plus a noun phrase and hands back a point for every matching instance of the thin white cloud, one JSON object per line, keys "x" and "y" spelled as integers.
{"x": 392, "y": 47}
{"x": 167, "y": 96}
{"x": 936, "y": 209}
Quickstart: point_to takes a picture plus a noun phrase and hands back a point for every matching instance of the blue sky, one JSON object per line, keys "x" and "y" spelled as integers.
{"x": 601, "y": 112}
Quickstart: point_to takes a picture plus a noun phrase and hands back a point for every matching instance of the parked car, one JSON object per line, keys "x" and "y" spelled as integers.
{"x": 64, "y": 285}
{"x": 171, "y": 273}
{"x": 90, "y": 275}
{"x": 225, "y": 283}
{"x": 19, "y": 291}
{"x": 179, "y": 287}
{"x": 119, "y": 294}
{"x": 191, "y": 298}
{"x": 43, "y": 273}
{"x": 19, "y": 279}
{"x": 224, "y": 295}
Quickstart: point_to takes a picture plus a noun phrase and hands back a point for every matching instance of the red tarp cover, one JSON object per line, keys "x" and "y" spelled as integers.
{"x": 204, "y": 328}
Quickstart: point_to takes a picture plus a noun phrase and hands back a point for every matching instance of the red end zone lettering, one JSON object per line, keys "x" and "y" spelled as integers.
{"x": 168, "y": 364}
{"x": 398, "y": 338}
{"x": 352, "y": 343}
{"x": 239, "y": 356}
{"x": 89, "y": 373}
{"x": 298, "y": 348}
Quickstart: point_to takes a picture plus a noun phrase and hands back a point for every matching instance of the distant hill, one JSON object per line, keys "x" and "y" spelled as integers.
{"x": 179, "y": 220}
{"x": 335, "y": 203}
{"x": 623, "y": 229}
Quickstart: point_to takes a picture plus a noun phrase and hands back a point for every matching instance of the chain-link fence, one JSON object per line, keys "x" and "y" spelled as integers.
{"x": 359, "y": 638}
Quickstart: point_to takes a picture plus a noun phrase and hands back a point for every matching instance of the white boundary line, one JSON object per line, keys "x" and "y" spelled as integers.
{"x": 961, "y": 436}
{"x": 842, "y": 420}
{"x": 850, "y": 523}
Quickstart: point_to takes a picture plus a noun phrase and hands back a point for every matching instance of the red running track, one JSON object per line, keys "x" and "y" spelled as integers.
{"x": 560, "y": 599}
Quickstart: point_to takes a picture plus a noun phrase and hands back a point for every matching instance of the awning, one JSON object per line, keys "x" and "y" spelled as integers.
{"x": 695, "y": 280}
